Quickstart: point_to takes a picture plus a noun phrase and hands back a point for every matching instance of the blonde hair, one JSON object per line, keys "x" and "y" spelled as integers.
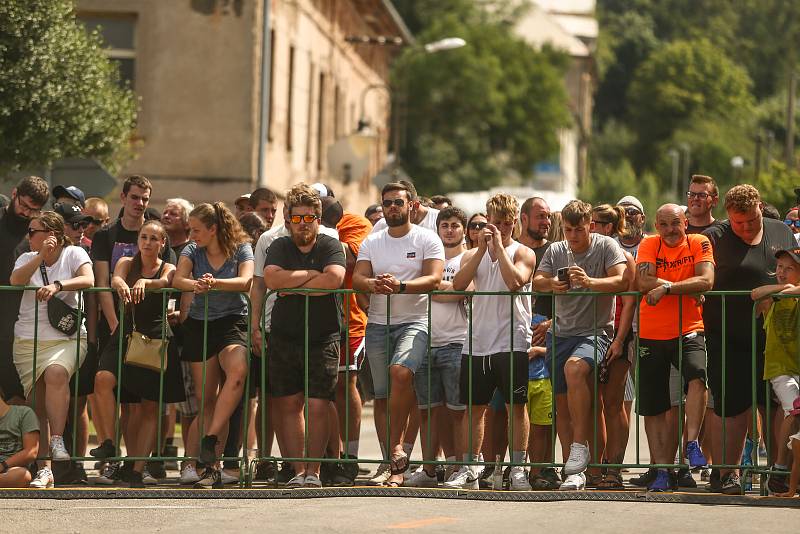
{"x": 503, "y": 205}
{"x": 53, "y": 222}
{"x": 742, "y": 198}
{"x": 229, "y": 232}
{"x": 615, "y": 215}
{"x": 303, "y": 194}
{"x": 556, "y": 232}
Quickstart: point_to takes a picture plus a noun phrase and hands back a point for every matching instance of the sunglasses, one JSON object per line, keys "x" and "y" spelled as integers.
{"x": 795, "y": 223}
{"x": 97, "y": 222}
{"x": 601, "y": 222}
{"x": 308, "y": 219}
{"x": 477, "y": 225}
{"x": 79, "y": 225}
{"x": 632, "y": 212}
{"x": 399, "y": 202}
{"x": 34, "y": 231}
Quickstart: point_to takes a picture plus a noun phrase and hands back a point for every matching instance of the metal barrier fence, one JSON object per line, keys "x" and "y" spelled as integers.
{"x": 247, "y": 465}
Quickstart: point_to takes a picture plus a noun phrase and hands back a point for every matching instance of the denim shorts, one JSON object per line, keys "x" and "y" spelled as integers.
{"x": 407, "y": 346}
{"x": 582, "y": 347}
{"x": 445, "y": 372}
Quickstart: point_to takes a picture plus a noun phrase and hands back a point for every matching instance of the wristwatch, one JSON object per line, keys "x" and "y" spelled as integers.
{"x": 667, "y": 287}
{"x": 5, "y": 467}
{"x": 58, "y": 285}
{"x": 402, "y": 287}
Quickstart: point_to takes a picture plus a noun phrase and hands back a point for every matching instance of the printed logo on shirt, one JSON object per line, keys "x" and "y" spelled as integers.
{"x": 663, "y": 264}
{"x": 411, "y": 255}
{"x": 706, "y": 246}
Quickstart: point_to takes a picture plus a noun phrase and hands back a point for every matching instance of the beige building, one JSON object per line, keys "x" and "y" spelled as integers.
{"x": 196, "y": 66}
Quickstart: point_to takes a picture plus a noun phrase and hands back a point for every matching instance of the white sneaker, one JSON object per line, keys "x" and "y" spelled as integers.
{"x": 383, "y": 474}
{"x": 58, "y": 452}
{"x": 574, "y": 482}
{"x": 578, "y": 459}
{"x": 109, "y": 475}
{"x": 188, "y": 475}
{"x": 467, "y": 478}
{"x": 518, "y": 479}
{"x": 148, "y": 479}
{"x": 421, "y": 479}
{"x": 297, "y": 482}
{"x": 43, "y": 479}
{"x": 227, "y": 478}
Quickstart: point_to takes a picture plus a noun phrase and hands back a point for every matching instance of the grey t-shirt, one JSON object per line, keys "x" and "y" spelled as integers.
{"x": 575, "y": 315}
{"x": 220, "y": 304}
{"x": 13, "y": 426}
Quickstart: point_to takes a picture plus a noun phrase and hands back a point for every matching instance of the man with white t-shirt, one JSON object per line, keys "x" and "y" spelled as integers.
{"x": 404, "y": 258}
{"x": 496, "y": 356}
{"x": 420, "y": 214}
{"x": 437, "y": 380}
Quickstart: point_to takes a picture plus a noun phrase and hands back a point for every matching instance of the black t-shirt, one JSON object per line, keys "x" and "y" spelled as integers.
{"x": 13, "y": 231}
{"x": 543, "y": 305}
{"x": 740, "y": 266}
{"x": 115, "y": 242}
{"x": 324, "y": 312}
{"x": 692, "y": 229}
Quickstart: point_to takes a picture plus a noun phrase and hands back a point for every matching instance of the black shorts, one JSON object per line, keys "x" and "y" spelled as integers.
{"x": 286, "y": 365}
{"x": 738, "y": 373}
{"x": 655, "y": 358}
{"x": 494, "y": 371}
{"x": 85, "y": 373}
{"x": 222, "y": 332}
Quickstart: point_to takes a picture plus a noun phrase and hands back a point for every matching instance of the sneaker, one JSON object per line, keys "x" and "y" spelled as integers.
{"x": 349, "y": 469}
{"x": 778, "y": 483}
{"x": 58, "y": 452}
{"x": 266, "y": 471}
{"x": 208, "y": 449}
{"x": 575, "y": 482}
{"x": 312, "y": 481}
{"x": 546, "y": 480}
{"x": 73, "y": 474}
{"x": 104, "y": 450}
{"x": 136, "y": 480}
{"x": 578, "y": 459}
{"x": 645, "y": 479}
{"x": 43, "y": 479}
{"x": 685, "y": 479}
{"x": 170, "y": 451}
{"x": 110, "y": 474}
{"x": 147, "y": 478}
{"x": 338, "y": 477}
{"x": 380, "y": 478}
{"x": 421, "y": 479}
{"x": 466, "y": 478}
{"x": 695, "y": 454}
{"x": 228, "y": 478}
{"x": 298, "y": 481}
{"x": 156, "y": 468}
{"x": 209, "y": 480}
{"x": 714, "y": 483}
{"x": 188, "y": 475}
{"x": 485, "y": 482}
{"x": 661, "y": 483}
{"x": 518, "y": 479}
{"x": 705, "y": 475}
{"x": 732, "y": 485}
{"x": 286, "y": 474}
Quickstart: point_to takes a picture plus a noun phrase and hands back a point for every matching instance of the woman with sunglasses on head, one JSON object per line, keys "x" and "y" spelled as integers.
{"x": 219, "y": 258}
{"x": 139, "y": 387}
{"x": 475, "y": 224}
{"x": 59, "y": 269}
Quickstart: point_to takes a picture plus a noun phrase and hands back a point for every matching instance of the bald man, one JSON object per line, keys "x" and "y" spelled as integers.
{"x": 672, "y": 269}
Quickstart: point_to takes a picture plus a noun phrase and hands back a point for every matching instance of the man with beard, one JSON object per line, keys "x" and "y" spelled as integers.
{"x": 404, "y": 261}
{"x": 535, "y": 221}
{"x": 304, "y": 259}
{"x": 420, "y": 214}
{"x": 701, "y": 199}
{"x": 27, "y": 200}
{"x": 634, "y": 224}
{"x": 672, "y": 263}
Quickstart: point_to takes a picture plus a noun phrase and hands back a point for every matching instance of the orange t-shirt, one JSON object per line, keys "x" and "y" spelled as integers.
{"x": 353, "y": 230}
{"x": 672, "y": 264}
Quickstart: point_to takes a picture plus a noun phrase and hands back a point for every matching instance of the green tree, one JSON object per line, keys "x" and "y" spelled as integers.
{"x": 481, "y": 113}
{"x": 777, "y": 185}
{"x": 59, "y": 94}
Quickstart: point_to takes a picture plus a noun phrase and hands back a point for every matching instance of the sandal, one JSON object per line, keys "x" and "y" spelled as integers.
{"x": 593, "y": 481}
{"x": 399, "y": 463}
{"x": 612, "y": 481}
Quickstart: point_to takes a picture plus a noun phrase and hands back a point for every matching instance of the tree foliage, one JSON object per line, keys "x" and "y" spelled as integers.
{"x": 59, "y": 94}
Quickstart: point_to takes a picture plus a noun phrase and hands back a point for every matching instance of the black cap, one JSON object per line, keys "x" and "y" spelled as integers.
{"x": 71, "y": 192}
{"x": 71, "y": 212}
{"x": 794, "y": 253}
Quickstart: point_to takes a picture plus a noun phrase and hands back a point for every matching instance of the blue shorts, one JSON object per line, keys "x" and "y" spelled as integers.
{"x": 407, "y": 346}
{"x": 444, "y": 373}
{"x": 582, "y": 347}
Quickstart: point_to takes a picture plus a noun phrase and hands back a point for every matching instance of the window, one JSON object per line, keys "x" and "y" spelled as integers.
{"x": 321, "y": 122}
{"x": 289, "y": 100}
{"x": 118, "y": 32}
{"x": 310, "y": 119}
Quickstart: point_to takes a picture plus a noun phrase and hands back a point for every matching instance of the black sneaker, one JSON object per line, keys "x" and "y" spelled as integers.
{"x": 778, "y": 483}
{"x": 156, "y": 469}
{"x": 266, "y": 471}
{"x": 685, "y": 479}
{"x": 645, "y": 479}
{"x": 350, "y": 468}
{"x": 440, "y": 473}
{"x": 135, "y": 480}
{"x": 210, "y": 479}
{"x": 286, "y": 474}
{"x": 208, "y": 450}
{"x": 326, "y": 472}
{"x": 732, "y": 485}
{"x": 546, "y": 480}
{"x": 104, "y": 450}
{"x": 714, "y": 483}
{"x": 337, "y": 476}
{"x": 485, "y": 481}
{"x": 170, "y": 451}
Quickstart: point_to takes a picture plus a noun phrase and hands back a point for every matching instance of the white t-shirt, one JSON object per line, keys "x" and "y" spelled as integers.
{"x": 449, "y": 319}
{"x": 401, "y": 257}
{"x": 65, "y": 267}
{"x": 260, "y": 254}
{"x": 428, "y": 222}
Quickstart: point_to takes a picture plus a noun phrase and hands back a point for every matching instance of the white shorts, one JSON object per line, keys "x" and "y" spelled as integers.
{"x": 63, "y": 352}
{"x": 787, "y": 389}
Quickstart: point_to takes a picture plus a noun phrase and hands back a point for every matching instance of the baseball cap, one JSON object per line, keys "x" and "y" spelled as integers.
{"x": 630, "y": 200}
{"x": 71, "y": 213}
{"x": 323, "y": 190}
{"x": 795, "y": 407}
{"x": 794, "y": 253}
{"x": 70, "y": 191}
{"x": 245, "y": 196}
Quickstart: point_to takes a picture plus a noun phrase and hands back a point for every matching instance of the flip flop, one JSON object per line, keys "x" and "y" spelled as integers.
{"x": 399, "y": 463}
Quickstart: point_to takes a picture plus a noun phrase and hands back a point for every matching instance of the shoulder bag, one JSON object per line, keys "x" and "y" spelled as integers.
{"x": 61, "y": 315}
{"x": 144, "y": 351}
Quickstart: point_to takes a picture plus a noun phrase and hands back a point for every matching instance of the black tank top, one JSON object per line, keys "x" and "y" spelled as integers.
{"x": 149, "y": 314}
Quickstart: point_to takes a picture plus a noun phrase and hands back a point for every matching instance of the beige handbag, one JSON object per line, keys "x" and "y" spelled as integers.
{"x": 146, "y": 352}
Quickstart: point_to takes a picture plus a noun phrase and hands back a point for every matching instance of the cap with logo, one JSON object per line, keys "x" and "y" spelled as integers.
{"x": 630, "y": 200}
{"x": 71, "y": 213}
{"x": 70, "y": 191}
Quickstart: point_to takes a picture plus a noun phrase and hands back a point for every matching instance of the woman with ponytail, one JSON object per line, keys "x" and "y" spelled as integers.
{"x": 219, "y": 258}
{"x": 57, "y": 356}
